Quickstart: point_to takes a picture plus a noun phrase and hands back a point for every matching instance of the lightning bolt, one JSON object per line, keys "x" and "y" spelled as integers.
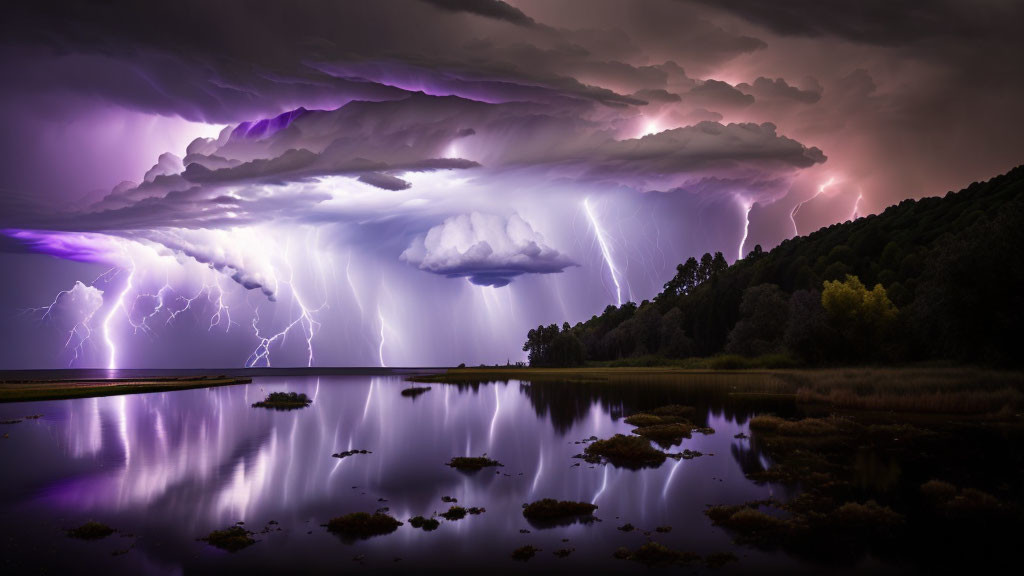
{"x": 380, "y": 350}
{"x": 821, "y": 190}
{"x": 747, "y": 205}
{"x": 599, "y": 233}
{"x": 118, "y": 305}
{"x": 217, "y": 316}
{"x": 856, "y": 206}
{"x": 82, "y": 329}
{"x": 304, "y": 322}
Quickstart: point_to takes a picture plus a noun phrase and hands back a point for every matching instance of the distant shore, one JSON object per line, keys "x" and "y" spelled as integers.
{"x": 28, "y": 390}
{"x": 962, "y": 390}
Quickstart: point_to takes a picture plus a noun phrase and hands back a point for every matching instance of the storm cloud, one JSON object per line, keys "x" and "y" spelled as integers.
{"x": 355, "y": 155}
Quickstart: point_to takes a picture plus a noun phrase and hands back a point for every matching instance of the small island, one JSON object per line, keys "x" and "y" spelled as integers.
{"x": 284, "y": 401}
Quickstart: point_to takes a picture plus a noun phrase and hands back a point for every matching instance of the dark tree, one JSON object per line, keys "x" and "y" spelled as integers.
{"x": 764, "y": 313}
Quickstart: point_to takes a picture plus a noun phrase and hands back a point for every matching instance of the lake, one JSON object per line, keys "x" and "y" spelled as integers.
{"x": 165, "y": 469}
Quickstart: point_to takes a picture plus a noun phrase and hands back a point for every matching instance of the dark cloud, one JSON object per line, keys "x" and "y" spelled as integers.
{"x": 489, "y": 8}
{"x": 377, "y": 142}
{"x": 778, "y": 89}
{"x": 716, "y": 95}
{"x": 886, "y": 22}
{"x": 384, "y": 181}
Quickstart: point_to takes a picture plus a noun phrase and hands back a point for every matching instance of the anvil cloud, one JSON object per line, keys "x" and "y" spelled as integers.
{"x": 283, "y": 181}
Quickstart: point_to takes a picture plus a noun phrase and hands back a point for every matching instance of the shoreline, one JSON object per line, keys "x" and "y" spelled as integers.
{"x": 68, "y": 389}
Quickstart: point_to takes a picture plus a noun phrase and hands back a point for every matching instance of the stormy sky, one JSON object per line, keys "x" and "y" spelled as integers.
{"x": 419, "y": 182}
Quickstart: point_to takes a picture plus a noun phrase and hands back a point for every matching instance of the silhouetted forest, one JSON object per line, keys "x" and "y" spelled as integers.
{"x": 936, "y": 278}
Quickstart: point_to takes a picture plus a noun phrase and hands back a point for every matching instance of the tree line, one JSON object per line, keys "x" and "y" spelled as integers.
{"x": 936, "y": 278}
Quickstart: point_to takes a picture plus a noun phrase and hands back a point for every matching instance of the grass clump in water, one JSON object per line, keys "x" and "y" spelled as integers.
{"x": 231, "y": 539}
{"x": 962, "y": 503}
{"x": 642, "y": 419}
{"x": 454, "y": 513}
{"x": 363, "y": 525}
{"x": 666, "y": 434}
{"x": 414, "y": 391}
{"x": 524, "y": 553}
{"x": 472, "y": 463}
{"x": 284, "y": 401}
{"x": 655, "y": 554}
{"x": 425, "y": 524}
{"x": 624, "y": 451}
{"x": 667, "y": 425}
{"x": 91, "y": 531}
{"x": 348, "y": 453}
{"x": 558, "y": 512}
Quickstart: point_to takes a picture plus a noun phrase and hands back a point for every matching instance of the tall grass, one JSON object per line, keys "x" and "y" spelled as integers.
{"x": 933, "y": 390}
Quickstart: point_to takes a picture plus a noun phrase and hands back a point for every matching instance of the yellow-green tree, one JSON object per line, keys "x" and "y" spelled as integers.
{"x": 863, "y": 318}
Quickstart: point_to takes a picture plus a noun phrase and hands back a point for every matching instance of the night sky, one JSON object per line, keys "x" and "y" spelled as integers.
{"x": 419, "y": 182}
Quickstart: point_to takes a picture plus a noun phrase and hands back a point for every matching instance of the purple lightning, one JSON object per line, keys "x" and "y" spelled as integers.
{"x": 821, "y": 190}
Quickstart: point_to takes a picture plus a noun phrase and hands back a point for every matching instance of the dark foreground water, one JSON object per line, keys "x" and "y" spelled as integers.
{"x": 165, "y": 469}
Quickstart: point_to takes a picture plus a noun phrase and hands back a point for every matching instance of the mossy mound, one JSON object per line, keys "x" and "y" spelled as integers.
{"x": 414, "y": 391}
{"x": 524, "y": 553}
{"x": 454, "y": 513}
{"x": 284, "y": 401}
{"x": 655, "y": 554}
{"x": 551, "y": 512}
{"x": 363, "y": 525}
{"x": 963, "y": 503}
{"x": 662, "y": 415}
{"x": 809, "y": 524}
{"x": 624, "y": 451}
{"x": 643, "y": 419}
{"x": 231, "y": 539}
{"x": 91, "y": 531}
{"x": 348, "y": 453}
{"x": 667, "y": 425}
{"x": 425, "y": 524}
{"x": 666, "y": 434}
{"x": 472, "y": 463}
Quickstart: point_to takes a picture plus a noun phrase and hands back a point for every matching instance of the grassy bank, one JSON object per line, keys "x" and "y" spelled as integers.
{"x": 33, "y": 390}
{"x": 927, "y": 389}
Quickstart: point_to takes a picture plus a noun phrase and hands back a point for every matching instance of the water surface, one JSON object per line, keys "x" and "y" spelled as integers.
{"x": 167, "y": 468}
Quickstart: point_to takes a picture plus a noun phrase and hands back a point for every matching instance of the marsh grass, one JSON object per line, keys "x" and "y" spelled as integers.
{"x": 963, "y": 503}
{"x": 363, "y": 525}
{"x": 666, "y": 435}
{"x": 625, "y": 452}
{"x": 810, "y": 525}
{"x": 524, "y": 553}
{"x": 926, "y": 390}
{"x": 91, "y": 531}
{"x": 551, "y": 512}
{"x": 455, "y": 513}
{"x": 654, "y": 554}
{"x": 425, "y": 524}
{"x": 414, "y": 391}
{"x": 472, "y": 463}
{"x": 348, "y": 453}
{"x": 284, "y": 401}
{"x": 231, "y": 539}
{"x": 33, "y": 390}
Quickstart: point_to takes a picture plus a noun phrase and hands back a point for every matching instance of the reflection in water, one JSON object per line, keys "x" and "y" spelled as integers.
{"x": 170, "y": 467}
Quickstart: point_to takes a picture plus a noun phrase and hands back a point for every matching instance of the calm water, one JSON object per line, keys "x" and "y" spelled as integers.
{"x": 167, "y": 468}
